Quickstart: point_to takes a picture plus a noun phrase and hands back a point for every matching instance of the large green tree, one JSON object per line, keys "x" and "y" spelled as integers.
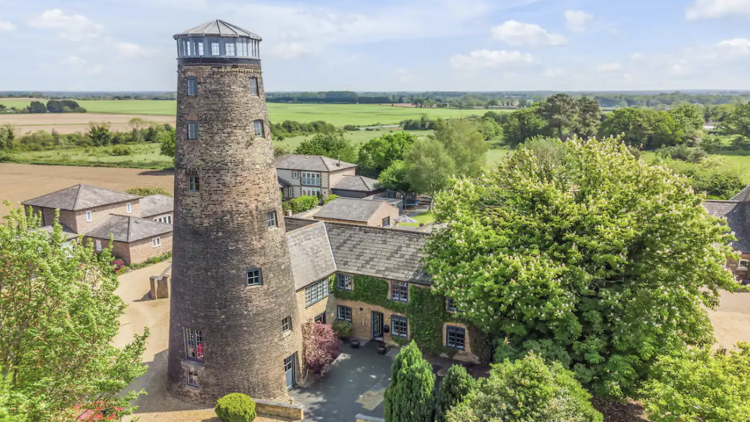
{"x": 523, "y": 124}
{"x": 602, "y": 262}
{"x": 737, "y": 121}
{"x": 58, "y": 315}
{"x": 167, "y": 143}
{"x": 464, "y": 144}
{"x": 429, "y": 166}
{"x": 559, "y": 111}
{"x": 379, "y": 153}
{"x": 329, "y": 144}
{"x": 644, "y": 128}
{"x": 396, "y": 178}
{"x": 410, "y": 396}
{"x": 588, "y": 118}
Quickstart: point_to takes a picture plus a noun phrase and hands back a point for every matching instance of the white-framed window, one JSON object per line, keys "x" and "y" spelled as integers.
{"x": 199, "y": 45}
{"x": 344, "y": 282}
{"x": 156, "y": 242}
{"x": 98, "y": 244}
{"x": 194, "y": 183}
{"x": 286, "y": 324}
{"x": 399, "y": 326}
{"x": 455, "y": 337}
{"x": 215, "y": 49}
{"x": 310, "y": 179}
{"x": 254, "y": 277}
{"x": 164, "y": 219}
{"x": 192, "y": 377}
{"x": 743, "y": 265}
{"x": 295, "y": 175}
{"x": 316, "y": 292}
{"x": 344, "y": 313}
{"x": 192, "y": 130}
{"x": 193, "y": 344}
{"x": 259, "y": 128}
{"x": 192, "y": 86}
{"x": 310, "y": 191}
{"x": 386, "y": 222}
{"x": 229, "y": 48}
{"x": 400, "y": 291}
{"x": 271, "y": 220}
{"x": 89, "y": 216}
{"x": 254, "y": 86}
{"x": 128, "y": 208}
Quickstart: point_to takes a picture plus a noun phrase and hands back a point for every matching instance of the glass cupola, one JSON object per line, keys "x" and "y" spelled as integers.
{"x": 218, "y": 42}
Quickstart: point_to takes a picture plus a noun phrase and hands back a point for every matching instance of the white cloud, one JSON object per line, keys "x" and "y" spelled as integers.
{"x": 526, "y": 34}
{"x": 81, "y": 66}
{"x": 554, "y": 72}
{"x": 6, "y": 26}
{"x": 404, "y": 76}
{"x": 608, "y": 67}
{"x": 131, "y": 50}
{"x": 637, "y": 57}
{"x": 578, "y": 20}
{"x": 486, "y": 59}
{"x": 707, "y": 9}
{"x": 288, "y": 50}
{"x": 70, "y": 27}
{"x": 736, "y": 46}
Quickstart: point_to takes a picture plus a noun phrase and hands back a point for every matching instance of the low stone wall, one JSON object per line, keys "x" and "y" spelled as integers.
{"x": 294, "y": 412}
{"x": 363, "y": 418}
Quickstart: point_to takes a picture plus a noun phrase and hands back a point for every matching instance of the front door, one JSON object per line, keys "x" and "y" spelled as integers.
{"x": 377, "y": 325}
{"x": 289, "y": 371}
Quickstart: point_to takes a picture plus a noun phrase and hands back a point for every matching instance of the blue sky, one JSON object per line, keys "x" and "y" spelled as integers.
{"x": 388, "y": 45}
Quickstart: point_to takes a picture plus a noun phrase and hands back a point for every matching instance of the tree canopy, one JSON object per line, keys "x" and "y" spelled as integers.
{"x": 464, "y": 144}
{"x": 409, "y": 397}
{"x": 329, "y": 144}
{"x": 396, "y": 178}
{"x": 379, "y": 153}
{"x": 523, "y": 124}
{"x": 585, "y": 263}
{"x": 737, "y": 121}
{"x": 429, "y": 166}
{"x": 643, "y": 128}
{"x": 559, "y": 111}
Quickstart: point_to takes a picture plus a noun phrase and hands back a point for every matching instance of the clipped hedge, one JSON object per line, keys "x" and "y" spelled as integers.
{"x": 303, "y": 203}
{"x": 235, "y": 407}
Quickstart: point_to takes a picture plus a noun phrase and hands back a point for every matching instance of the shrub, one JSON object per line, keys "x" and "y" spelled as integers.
{"x": 684, "y": 153}
{"x": 330, "y": 198}
{"x": 303, "y": 203}
{"x": 235, "y": 407}
{"x": 700, "y": 385}
{"x": 144, "y": 191}
{"x": 321, "y": 347}
{"x": 342, "y": 328}
{"x": 526, "y": 390}
{"x": 453, "y": 390}
{"x": 119, "y": 264}
{"x": 120, "y": 151}
{"x": 410, "y": 397}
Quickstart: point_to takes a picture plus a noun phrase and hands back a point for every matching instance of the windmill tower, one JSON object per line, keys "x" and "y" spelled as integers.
{"x": 234, "y": 324}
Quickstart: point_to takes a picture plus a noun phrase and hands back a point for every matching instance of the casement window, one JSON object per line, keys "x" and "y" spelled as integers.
{"x": 192, "y": 378}
{"x": 215, "y": 49}
{"x": 310, "y": 191}
{"x": 156, "y": 242}
{"x": 164, "y": 219}
{"x": 194, "y": 183}
{"x": 254, "y": 277}
{"x": 192, "y": 130}
{"x": 386, "y": 222}
{"x": 286, "y": 324}
{"x": 344, "y": 313}
{"x": 316, "y": 292}
{"x": 192, "y": 86}
{"x": 254, "y": 86}
{"x": 98, "y": 244}
{"x": 310, "y": 179}
{"x": 344, "y": 282}
{"x": 229, "y": 49}
{"x": 259, "y": 128}
{"x": 455, "y": 337}
{"x": 199, "y": 47}
{"x": 271, "y": 220}
{"x": 295, "y": 175}
{"x": 743, "y": 264}
{"x": 128, "y": 208}
{"x": 400, "y": 291}
{"x": 399, "y": 326}
{"x": 89, "y": 216}
{"x": 320, "y": 318}
{"x": 193, "y": 344}
{"x": 451, "y": 306}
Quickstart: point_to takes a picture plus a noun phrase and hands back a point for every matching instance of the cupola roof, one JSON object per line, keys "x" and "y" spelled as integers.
{"x": 218, "y": 28}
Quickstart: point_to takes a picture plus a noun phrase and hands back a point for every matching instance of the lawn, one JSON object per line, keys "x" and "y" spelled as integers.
{"x": 144, "y": 156}
{"x": 357, "y": 137}
{"x": 739, "y": 162}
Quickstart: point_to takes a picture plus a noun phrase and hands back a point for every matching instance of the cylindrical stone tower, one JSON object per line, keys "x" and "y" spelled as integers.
{"x": 234, "y": 325}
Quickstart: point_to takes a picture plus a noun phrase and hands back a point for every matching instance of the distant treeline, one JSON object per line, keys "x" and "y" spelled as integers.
{"x": 289, "y": 128}
{"x": 53, "y": 106}
{"x": 93, "y": 95}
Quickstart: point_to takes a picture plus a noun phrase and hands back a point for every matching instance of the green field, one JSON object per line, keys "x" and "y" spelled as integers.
{"x": 145, "y": 156}
{"x": 357, "y": 137}
{"x": 337, "y": 114}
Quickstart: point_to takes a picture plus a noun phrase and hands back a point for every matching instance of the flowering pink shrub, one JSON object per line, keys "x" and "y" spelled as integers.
{"x": 119, "y": 265}
{"x": 321, "y": 345}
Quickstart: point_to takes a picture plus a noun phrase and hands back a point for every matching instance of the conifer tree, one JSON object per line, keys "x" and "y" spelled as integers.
{"x": 410, "y": 397}
{"x": 454, "y": 388}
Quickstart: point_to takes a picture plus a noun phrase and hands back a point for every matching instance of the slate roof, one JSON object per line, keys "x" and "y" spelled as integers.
{"x": 127, "y": 229}
{"x": 156, "y": 205}
{"x": 294, "y": 223}
{"x": 310, "y": 163}
{"x": 283, "y": 183}
{"x": 737, "y": 214}
{"x": 80, "y": 197}
{"x": 312, "y": 258}
{"x": 356, "y": 183}
{"x": 350, "y": 209}
{"x": 67, "y": 231}
{"x": 218, "y": 28}
{"x": 743, "y": 195}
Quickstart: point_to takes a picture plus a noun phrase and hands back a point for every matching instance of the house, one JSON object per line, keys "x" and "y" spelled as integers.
{"x": 358, "y": 211}
{"x": 736, "y": 211}
{"x": 140, "y": 226}
{"x": 311, "y": 175}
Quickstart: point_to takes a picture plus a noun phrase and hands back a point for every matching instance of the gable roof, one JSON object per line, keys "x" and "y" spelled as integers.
{"x": 80, "y": 197}
{"x": 312, "y": 258}
{"x": 310, "y": 163}
{"x": 356, "y": 183}
{"x": 218, "y": 28}
{"x": 737, "y": 215}
{"x": 743, "y": 195}
{"x": 127, "y": 229}
{"x": 351, "y": 209}
{"x": 156, "y": 204}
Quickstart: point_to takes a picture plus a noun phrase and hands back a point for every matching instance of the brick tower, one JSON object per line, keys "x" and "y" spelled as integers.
{"x": 234, "y": 325}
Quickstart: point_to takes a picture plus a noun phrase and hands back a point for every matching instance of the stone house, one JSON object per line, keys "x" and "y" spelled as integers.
{"x": 311, "y": 175}
{"x": 736, "y": 211}
{"x": 140, "y": 226}
{"x": 358, "y": 211}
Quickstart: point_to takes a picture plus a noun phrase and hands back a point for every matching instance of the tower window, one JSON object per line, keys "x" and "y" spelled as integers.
{"x": 192, "y": 378}
{"x": 259, "y": 129}
{"x": 229, "y": 47}
{"x": 194, "y": 344}
{"x": 194, "y": 183}
{"x": 192, "y": 130}
{"x": 286, "y": 324}
{"x": 254, "y": 86}
{"x": 271, "y": 220}
{"x": 215, "y": 49}
{"x": 199, "y": 44}
{"x": 192, "y": 86}
{"x": 254, "y": 277}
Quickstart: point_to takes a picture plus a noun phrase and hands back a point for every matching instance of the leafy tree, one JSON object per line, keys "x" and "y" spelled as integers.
{"x": 321, "y": 346}
{"x": 527, "y": 390}
{"x": 430, "y": 167}
{"x": 410, "y": 397}
{"x": 689, "y": 116}
{"x": 379, "y": 153}
{"x": 453, "y": 390}
{"x": 489, "y": 129}
{"x": 329, "y": 144}
{"x": 146, "y": 191}
{"x": 36, "y": 107}
{"x": 464, "y": 145}
{"x": 522, "y": 125}
{"x": 643, "y": 128}
{"x": 737, "y": 121}
{"x": 58, "y": 315}
{"x": 700, "y": 385}
{"x": 7, "y": 136}
{"x": 589, "y": 115}
{"x": 559, "y": 111}
{"x": 100, "y": 135}
{"x": 713, "y": 175}
{"x": 168, "y": 143}
{"x": 396, "y": 178}
{"x": 585, "y": 263}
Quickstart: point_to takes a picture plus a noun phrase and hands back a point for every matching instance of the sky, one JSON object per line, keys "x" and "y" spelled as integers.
{"x": 388, "y": 45}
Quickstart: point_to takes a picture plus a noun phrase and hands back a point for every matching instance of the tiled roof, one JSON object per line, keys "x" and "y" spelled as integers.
{"x": 218, "y": 28}
{"x": 312, "y": 258}
{"x": 80, "y": 197}
{"x": 350, "y": 209}
{"x": 127, "y": 229}
{"x": 156, "y": 205}
{"x": 743, "y": 195}
{"x": 356, "y": 183}
{"x": 737, "y": 215}
{"x": 294, "y": 223}
{"x": 310, "y": 163}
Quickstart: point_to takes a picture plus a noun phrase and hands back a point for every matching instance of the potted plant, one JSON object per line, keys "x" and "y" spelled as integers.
{"x": 343, "y": 329}
{"x": 382, "y": 348}
{"x": 355, "y": 343}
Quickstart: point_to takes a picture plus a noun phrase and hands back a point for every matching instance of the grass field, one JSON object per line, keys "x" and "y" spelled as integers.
{"x": 145, "y": 156}
{"x": 357, "y": 137}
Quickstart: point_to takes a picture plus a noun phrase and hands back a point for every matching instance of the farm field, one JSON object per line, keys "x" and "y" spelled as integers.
{"x": 65, "y": 123}
{"x": 144, "y": 156}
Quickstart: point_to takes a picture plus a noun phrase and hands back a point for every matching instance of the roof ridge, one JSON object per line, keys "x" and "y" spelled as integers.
{"x": 128, "y": 231}
{"x": 330, "y": 248}
{"x": 78, "y": 195}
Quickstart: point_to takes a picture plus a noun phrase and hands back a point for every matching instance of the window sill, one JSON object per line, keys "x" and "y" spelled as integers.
{"x": 253, "y": 285}
{"x": 192, "y": 363}
{"x": 286, "y": 334}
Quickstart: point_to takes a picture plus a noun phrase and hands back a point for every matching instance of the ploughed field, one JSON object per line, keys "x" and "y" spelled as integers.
{"x": 75, "y": 122}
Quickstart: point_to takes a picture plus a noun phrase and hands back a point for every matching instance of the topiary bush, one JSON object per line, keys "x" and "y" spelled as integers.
{"x": 342, "y": 328}
{"x": 453, "y": 389}
{"x": 303, "y": 203}
{"x": 235, "y": 407}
